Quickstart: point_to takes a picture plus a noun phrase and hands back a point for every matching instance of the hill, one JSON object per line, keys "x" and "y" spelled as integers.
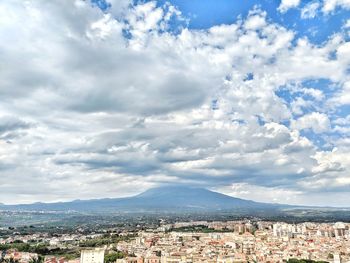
{"x": 166, "y": 198}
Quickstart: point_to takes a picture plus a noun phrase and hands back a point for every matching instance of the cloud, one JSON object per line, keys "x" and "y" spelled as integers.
{"x": 316, "y": 121}
{"x": 255, "y": 20}
{"x": 310, "y": 10}
{"x": 331, "y": 5}
{"x": 12, "y": 127}
{"x": 11, "y": 124}
{"x": 347, "y": 24}
{"x": 342, "y": 97}
{"x": 284, "y": 196}
{"x": 116, "y": 101}
{"x": 287, "y": 4}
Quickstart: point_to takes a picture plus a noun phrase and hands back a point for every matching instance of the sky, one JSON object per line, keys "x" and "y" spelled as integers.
{"x": 108, "y": 98}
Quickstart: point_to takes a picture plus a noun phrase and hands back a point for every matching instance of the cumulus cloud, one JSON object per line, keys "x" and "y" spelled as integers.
{"x": 113, "y": 102}
{"x": 318, "y": 122}
{"x": 331, "y": 5}
{"x": 287, "y": 4}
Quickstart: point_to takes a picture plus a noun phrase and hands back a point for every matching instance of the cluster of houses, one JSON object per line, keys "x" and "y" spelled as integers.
{"x": 227, "y": 242}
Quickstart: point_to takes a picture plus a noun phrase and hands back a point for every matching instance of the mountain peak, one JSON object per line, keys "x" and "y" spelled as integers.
{"x": 180, "y": 196}
{"x": 169, "y": 189}
{"x": 164, "y": 198}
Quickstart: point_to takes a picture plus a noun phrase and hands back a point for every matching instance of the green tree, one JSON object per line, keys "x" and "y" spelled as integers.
{"x": 10, "y": 260}
{"x": 112, "y": 257}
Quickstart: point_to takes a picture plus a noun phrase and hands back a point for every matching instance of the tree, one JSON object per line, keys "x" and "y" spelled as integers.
{"x": 10, "y": 260}
{"x": 112, "y": 257}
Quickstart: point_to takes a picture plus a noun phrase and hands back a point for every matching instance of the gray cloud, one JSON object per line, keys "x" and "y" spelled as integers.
{"x": 109, "y": 115}
{"x": 12, "y": 124}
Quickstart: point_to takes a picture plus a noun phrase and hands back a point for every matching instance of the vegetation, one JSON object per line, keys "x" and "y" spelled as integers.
{"x": 8, "y": 260}
{"x": 113, "y": 256}
{"x": 41, "y": 249}
{"x": 105, "y": 240}
{"x": 39, "y": 259}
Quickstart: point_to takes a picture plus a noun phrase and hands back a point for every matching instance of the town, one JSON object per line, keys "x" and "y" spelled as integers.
{"x": 194, "y": 241}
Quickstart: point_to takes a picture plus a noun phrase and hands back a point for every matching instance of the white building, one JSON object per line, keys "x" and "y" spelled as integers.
{"x": 96, "y": 255}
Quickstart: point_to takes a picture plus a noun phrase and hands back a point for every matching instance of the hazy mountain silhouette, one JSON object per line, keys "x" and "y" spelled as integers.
{"x": 166, "y": 198}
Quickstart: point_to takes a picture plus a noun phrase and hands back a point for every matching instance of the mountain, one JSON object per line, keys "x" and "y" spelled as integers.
{"x": 193, "y": 198}
{"x": 161, "y": 199}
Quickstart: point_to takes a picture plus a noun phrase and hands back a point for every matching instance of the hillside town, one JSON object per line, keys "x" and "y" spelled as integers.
{"x": 195, "y": 241}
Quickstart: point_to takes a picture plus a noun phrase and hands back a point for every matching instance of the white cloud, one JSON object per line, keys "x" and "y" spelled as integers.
{"x": 315, "y": 93}
{"x": 342, "y": 97}
{"x": 310, "y": 10}
{"x": 288, "y": 4}
{"x": 285, "y": 195}
{"x": 331, "y": 5}
{"x": 263, "y": 194}
{"x": 347, "y": 24}
{"x": 102, "y": 102}
{"x": 318, "y": 122}
{"x": 255, "y": 20}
